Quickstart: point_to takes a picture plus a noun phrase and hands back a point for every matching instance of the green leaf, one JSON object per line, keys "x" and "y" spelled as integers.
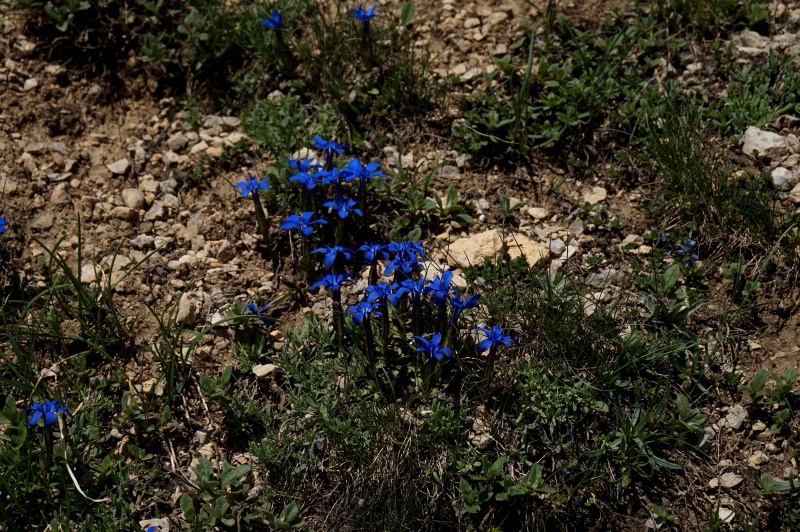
{"x": 407, "y": 13}
{"x": 463, "y": 218}
{"x": 187, "y": 505}
{"x": 452, "y": 197}
{"x": 683, "y": 405}
{"x": 290, "y": 512}
{"x": 670, "y": 277}
{"x": 232, "y": 475}
{"x": 759, "y": 380}
{"x": 497, "y": 467}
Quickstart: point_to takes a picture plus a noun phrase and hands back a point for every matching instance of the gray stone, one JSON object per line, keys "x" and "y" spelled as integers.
{"x": 472, "y": 250}
{"x": 177, "y": 142}
{"x": 88, "y": 273}
{"x": 736, "y": 416}
{"x": 35, "y": 148}
{"x": 156, "y": 211}
{"x": 58, "y": 147}
{"x": 557, "y": 247}
{"x": 168, "y": 186}
{"x": 450, "y": 172}
{"x": 765, "y": 144}
{"x": 730, "y": 480}
{"x": 601, "y": 279}
{"x": 783, "y": 178}
{"x": 262, "y": 371}
{"x": 120, "y": 167}
{"x": 133, "y": 198}
{"x": 143, "y": 242}
{"x": 60, "y": 196}
{"x": 537, "y": 213}
{"x": 597, "y": 195}
{"x": 187, "y": 310}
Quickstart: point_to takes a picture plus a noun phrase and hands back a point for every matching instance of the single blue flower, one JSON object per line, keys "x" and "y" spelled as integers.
{"x": 493, "y": 339}
{"x": 274, "y": 21}
{"x": 257, "y": 311}
{"x": 303, "y": 165}
{"x": 328, "y": 146}
{"x": 440, "y": 288}
{"x": 415, "y": 288}
{"x": 380, "y": 292}
{"x": 3, "y": 223}
{"x": 310, "y": 179}
{"x": 373, "y": 252}
{"x": 365, "y": 310}
{"x": 365, "y": 16}
{"x": 252, "y": 186}
{"x": 331, "y": 252}
{"x": 50, "y": 412}
{"x": 395, "y": 297}
{"x": 404, "y": 264}
{"x": 460, "y": 305}
{"x": 343, "y": 207}
{"x": 334, "y": 282}
{"x": 354, "y": 170}
{"x": 408, "y": 249}
{"x": 434, "y": 347}
{"x": 302, "y": 222}
{"x": 154, "y": 528}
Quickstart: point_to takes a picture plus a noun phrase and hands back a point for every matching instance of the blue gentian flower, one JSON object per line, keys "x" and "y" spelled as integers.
{"x": 274, "y": 21}
{"x": 343, "y": 207}
{"x": 252, "y": 186}
{"x": 309, "y": 179}
{"x": 153, "y": 528}
{"x": 404, "y": 264}
{"x": 434, "y": 347}
{"x": 493, "y": 339}
{"x": 331, "y": 252}
{"x": 365, "y": 16}
{"x": 415, "y": 288}
{"x": 460, "y": 305}
{"x": 328, "y": 146}
{"x": 380, "y": 292}
{"x": 302, "y": 222}
{"x": 373, "y": 252}
{"x": 687, "y": 254}
{"x": 354, "y": 170}
{"x": 303, "y": 165}
{"x": 49, "y": 411}
{"x": 3, "y": 223}
{"x": 257, "y": 311}
{"x": 334, "y": 282}
{"x": 408, "y": 249}
{"x": 365, "y": 310}
{"x": 440, "y": 288}
{"x": 395, "y": 297}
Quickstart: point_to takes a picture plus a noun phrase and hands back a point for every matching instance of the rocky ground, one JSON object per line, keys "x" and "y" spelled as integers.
{"x": 99, "y": 167}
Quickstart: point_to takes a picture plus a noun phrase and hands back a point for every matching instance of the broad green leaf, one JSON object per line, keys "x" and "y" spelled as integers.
{"x": 407, "y": 13}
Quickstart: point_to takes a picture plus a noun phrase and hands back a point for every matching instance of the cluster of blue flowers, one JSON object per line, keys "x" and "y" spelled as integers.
{"x": 685, "y": 250}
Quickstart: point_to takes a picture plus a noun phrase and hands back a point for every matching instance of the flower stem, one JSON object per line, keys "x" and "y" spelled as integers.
{"x": 369, "y": 348}
{"x": 261, "y": 219}
{"x": 489, "y": 369}
{"x": 339, "y": 232}
{"x": 338, "y": 318}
